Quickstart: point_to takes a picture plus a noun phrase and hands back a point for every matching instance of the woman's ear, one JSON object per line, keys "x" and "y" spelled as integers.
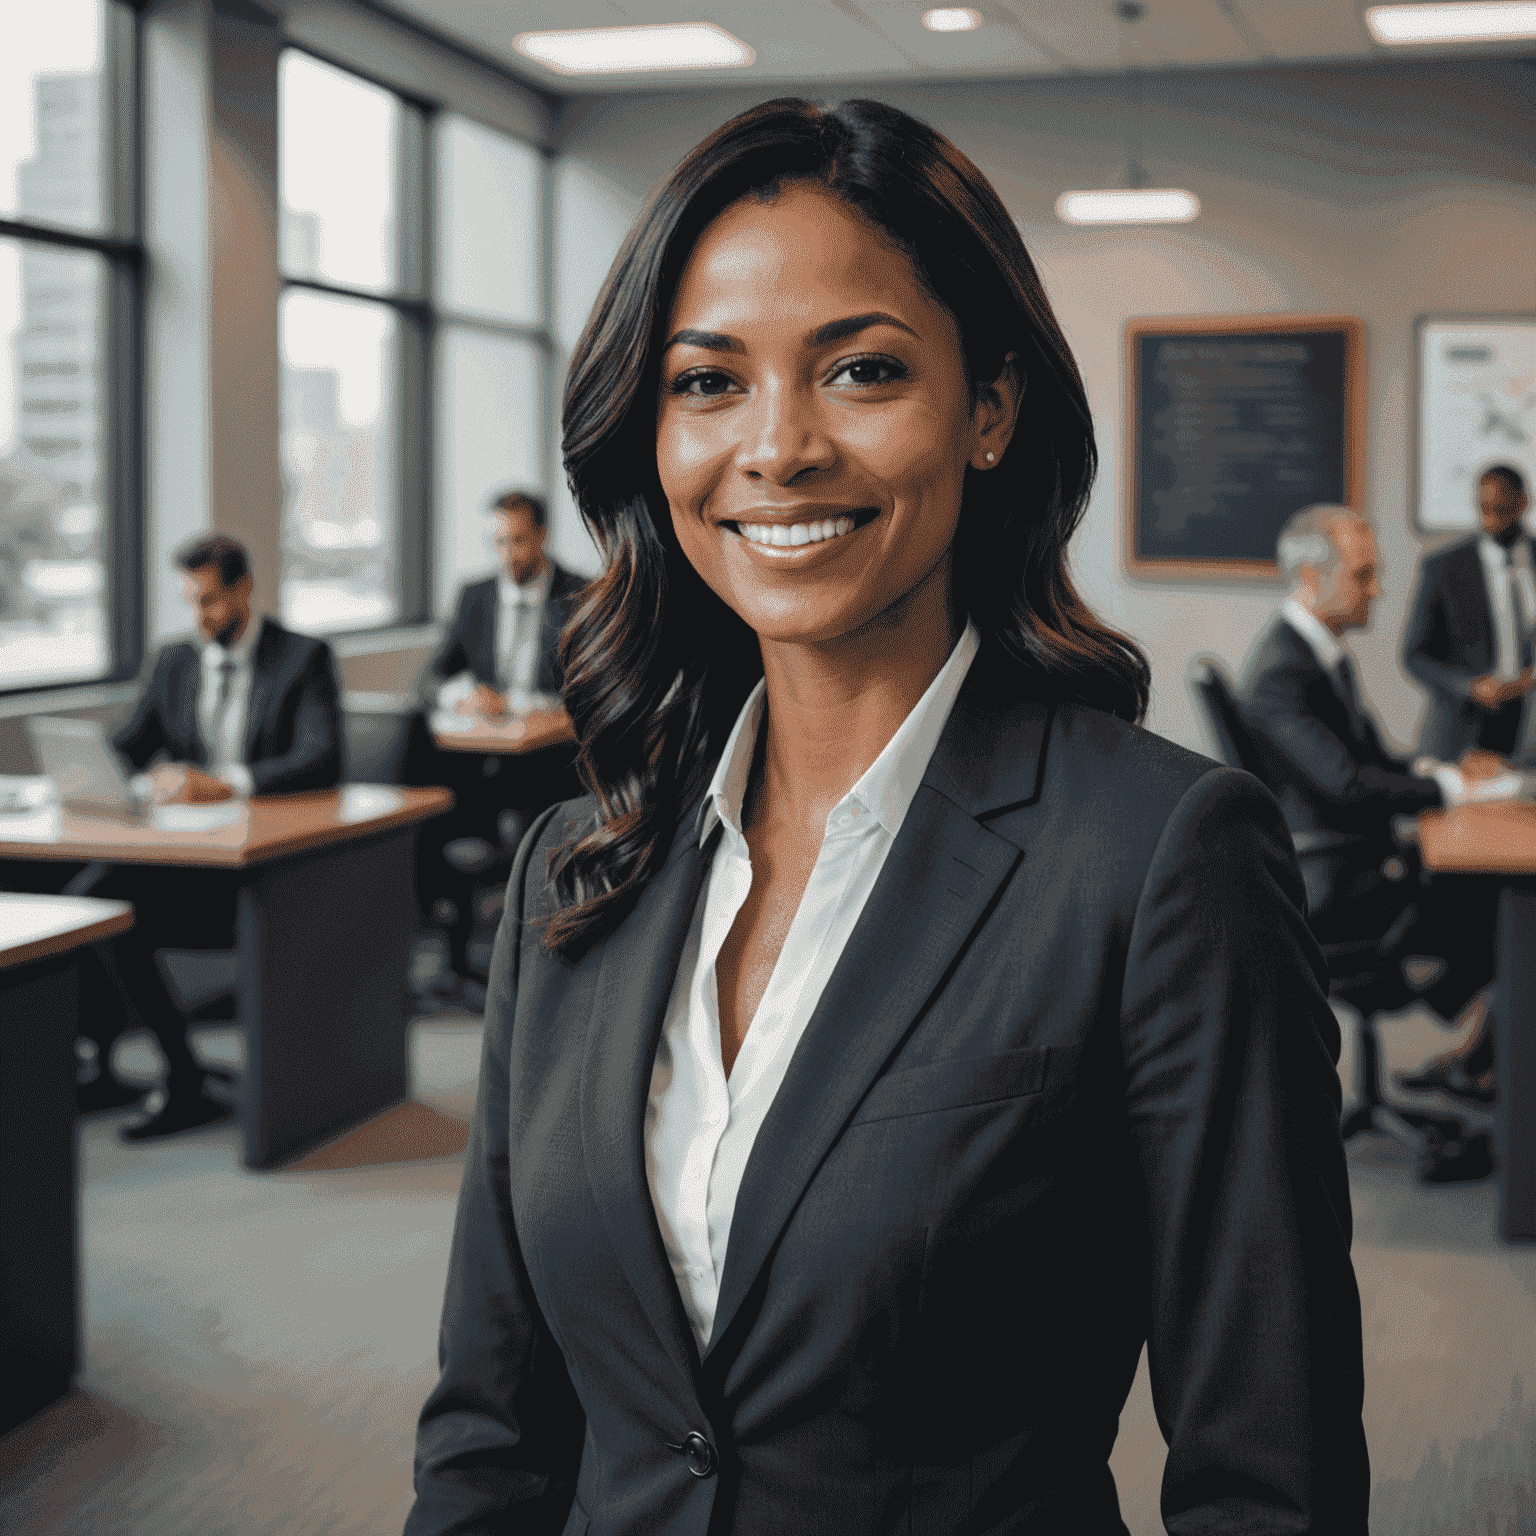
{"x": 995, "y": 413}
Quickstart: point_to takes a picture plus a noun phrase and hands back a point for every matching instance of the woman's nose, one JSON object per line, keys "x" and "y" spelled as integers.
{"x": 784, "y": 435}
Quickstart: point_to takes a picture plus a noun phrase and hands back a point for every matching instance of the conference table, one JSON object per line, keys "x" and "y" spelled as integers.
{"x": 325, "y": 915}
{"x": 1500, "y": 839}
{"x": 510, "y": 735}
{"x": 40, "y": 937}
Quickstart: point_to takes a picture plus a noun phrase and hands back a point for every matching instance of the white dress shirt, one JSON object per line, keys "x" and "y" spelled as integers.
{"x": 699, "y": 1127}
{"x": 1511, "y": 600}
{"x": 519, "y": 621}
{"x": 1321, "y": 640}
{"x": 222, "y": 723}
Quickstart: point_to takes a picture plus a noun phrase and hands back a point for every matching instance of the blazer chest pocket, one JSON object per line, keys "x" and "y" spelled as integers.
{"x": 956, "y": 1084}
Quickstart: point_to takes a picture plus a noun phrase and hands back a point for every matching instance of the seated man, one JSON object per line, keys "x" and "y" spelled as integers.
{"x": 1338, "y": 786}
{"x": 247, "y": 708}
{"x": 500, "y": 654}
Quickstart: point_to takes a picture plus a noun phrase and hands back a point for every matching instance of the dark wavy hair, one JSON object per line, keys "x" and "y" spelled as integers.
{"x": 656, "y": 666}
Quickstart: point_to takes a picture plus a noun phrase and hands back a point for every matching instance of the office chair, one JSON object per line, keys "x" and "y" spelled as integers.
{"x": 1366, "y": 974}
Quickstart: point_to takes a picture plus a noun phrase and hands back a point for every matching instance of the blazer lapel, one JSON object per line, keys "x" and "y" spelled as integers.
{"x": 629, "y": 1005}
{"x": 263, "y": 679}
{"x": 938, "y": 882}
{"x": 186, "y": 683}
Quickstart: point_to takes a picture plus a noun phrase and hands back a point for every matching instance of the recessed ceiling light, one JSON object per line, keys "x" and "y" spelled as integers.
{"x": 957, "y": 19}
{"x": 615, "y": 50}
{"x": 1128, "y": 205}
{"x": 1470, "y": 21}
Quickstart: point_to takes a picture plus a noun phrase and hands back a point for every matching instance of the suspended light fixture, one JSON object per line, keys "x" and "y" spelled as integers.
{"x": 1135, "y": 202}
{"x": 953, "y": 19}
{"x": 1470, "y": 21}
{"x": 621, "y": 50}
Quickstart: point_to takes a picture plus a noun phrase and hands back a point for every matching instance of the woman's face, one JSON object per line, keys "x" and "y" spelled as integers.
{"x": 815, "y": 420}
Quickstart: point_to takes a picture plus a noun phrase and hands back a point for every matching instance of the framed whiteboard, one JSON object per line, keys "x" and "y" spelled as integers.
{"x": 1476, "y": 406}
{"x": 1234, "y": 423}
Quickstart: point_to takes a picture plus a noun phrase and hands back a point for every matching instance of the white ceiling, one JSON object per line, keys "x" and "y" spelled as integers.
{"x": 812, "y": 40}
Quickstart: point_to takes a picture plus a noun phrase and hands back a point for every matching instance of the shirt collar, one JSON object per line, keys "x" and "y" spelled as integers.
{"x": 1321, "y": 640}
{"x": 239, "y": 652}
{"x": 885, "y": 789}
{"x": 534, "y": 594}
{"x": 1495, "y": 554}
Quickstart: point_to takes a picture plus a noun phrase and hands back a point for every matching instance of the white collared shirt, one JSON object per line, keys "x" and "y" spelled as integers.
{"x": 519, "y": 618}
{"x": 699, "y": 1127}
{"x": 223, "y": 729}
{"x": 1498, "y": 568}
{"x": 1321, "y": 640}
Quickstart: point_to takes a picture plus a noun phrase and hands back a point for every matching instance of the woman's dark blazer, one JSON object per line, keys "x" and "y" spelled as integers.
{"x": 1070, "y": 1087}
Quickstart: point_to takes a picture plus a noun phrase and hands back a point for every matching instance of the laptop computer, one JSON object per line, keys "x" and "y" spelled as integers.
{"x": 88, "y": 774}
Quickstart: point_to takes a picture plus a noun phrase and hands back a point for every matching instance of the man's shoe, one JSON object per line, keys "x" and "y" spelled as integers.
{"x": 183, "y": 1110}
{"x": 1458, "y": 1162}
{"x": 104, "y": 1092}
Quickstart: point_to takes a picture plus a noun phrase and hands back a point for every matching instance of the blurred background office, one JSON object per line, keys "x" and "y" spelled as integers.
{"x": 307, "y": 273}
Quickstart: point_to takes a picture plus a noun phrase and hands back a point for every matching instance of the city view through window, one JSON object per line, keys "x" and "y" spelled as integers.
{"x": 53, "y": 597}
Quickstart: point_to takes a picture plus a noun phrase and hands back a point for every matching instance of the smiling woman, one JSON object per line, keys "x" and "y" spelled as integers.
{"x": 897, "y": 1038}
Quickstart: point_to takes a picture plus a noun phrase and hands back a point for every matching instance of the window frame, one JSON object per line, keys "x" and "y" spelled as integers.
{"x": 120, "y": 244}
{"x": 420, "y": 318}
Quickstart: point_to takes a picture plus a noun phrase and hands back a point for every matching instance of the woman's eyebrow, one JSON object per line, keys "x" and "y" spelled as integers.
{"x": 833, "y": 330}
{"x": 839, "y": 330}
{"x": 711, "y": 341}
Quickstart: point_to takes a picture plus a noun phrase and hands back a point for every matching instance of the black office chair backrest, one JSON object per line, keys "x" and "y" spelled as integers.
{"x": 1214, "y": 691}
{"x": 376, "y": 731}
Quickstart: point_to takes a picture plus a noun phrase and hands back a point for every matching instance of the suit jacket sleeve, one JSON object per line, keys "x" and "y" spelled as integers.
{"x": 451, "y": 657}
{"x": 313, "y": 758}
{"x": 1233, "y": 1103}
{"x": 502, "y": 1431}
{"x": 1282, "y": 710}
{"x": 144, "y": 732}
{"x": 1427, "y": 644}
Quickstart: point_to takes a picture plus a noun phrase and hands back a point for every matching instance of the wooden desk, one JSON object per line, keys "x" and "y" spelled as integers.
{"x": 39, "y": 1251}
{"x": 324, "y": 919}
{"x": 1501, "y": 840}
{"x": 528, "y": 733}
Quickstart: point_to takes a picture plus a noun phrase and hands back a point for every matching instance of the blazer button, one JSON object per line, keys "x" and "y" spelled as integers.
{"x": 699, "y": 1454}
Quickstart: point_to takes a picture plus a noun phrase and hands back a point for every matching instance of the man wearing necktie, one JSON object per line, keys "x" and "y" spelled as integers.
{"x": 247, "y": 707}
{"x": 1469, "y": 639}
{"x": 499, "y": 655}
{"x": 1337, "y": 784}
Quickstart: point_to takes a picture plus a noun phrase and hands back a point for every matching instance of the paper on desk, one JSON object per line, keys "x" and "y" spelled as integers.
{"x": 197, "y": 818}
{"x": 22, "y": 792}
{"x": 1459, "y": 790}
{"x": 447, "y": 723}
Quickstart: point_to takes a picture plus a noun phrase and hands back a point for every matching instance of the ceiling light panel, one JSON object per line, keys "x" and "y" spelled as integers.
{"x": 953, "y": 19}
{"x": 1471, "y": 21}
{"x": 629, "y": 50}
{"x": 1126, "y": 205}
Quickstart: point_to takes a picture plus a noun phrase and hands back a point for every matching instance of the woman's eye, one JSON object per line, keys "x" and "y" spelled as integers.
{"x": 706, "y": 384}
{"x": 870, "y": 370}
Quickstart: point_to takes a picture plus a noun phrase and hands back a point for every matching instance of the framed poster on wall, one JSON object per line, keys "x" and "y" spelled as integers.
{"x": 1236, "y": 422}
{"x": 1475, "y": 406}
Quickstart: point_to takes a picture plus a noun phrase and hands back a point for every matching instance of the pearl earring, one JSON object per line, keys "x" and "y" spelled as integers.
{"x": 990, "y": 457}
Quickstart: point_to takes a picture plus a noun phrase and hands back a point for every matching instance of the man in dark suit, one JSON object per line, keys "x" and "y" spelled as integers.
{"x": 248, "y": 707}
{"x": 1338, "y": 786}
{"x": 503, "y": 646}
{"x": 500, "y": 654}
{"x": 1469, "y": 639}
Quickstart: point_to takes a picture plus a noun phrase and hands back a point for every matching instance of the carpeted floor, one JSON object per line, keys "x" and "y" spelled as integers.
{"x": 257, "y": 1345}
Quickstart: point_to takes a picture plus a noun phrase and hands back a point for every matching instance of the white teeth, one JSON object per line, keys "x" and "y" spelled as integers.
{"x": 793, "y": 535}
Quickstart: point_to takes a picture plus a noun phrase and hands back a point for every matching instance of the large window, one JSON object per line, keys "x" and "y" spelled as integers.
{"x": 406, "y": 317}
{"x": 492, "y": 349}
{"x": 70, "y": 268}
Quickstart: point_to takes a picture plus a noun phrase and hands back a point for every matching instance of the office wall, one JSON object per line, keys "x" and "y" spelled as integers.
{"x": 1382, "y": 192}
